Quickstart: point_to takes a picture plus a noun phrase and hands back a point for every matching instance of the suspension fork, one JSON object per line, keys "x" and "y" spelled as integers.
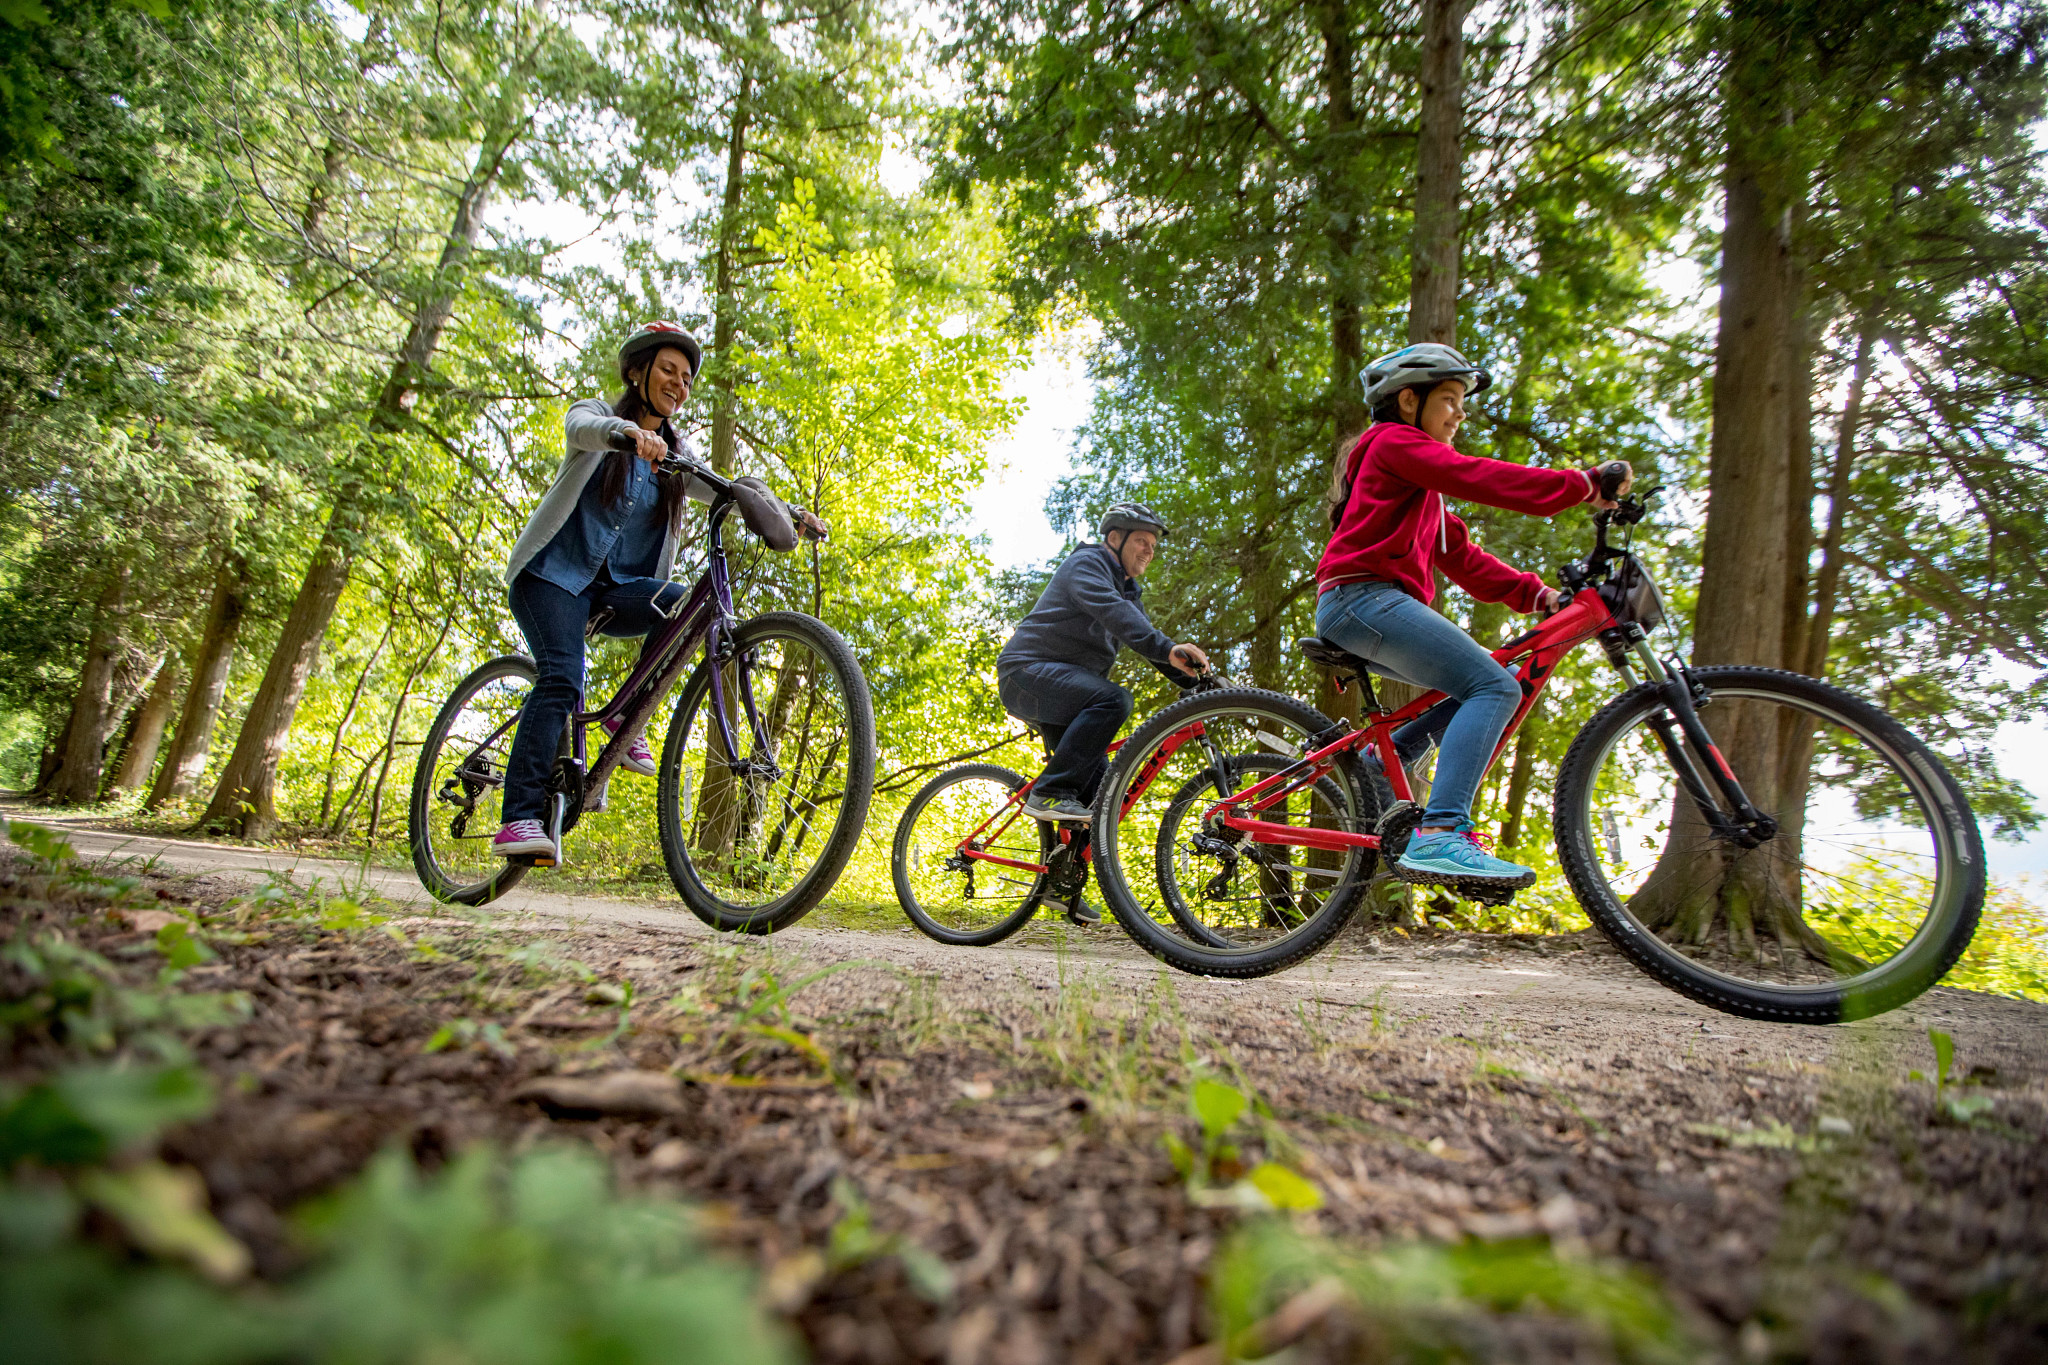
{"x": 1748, "y": 826}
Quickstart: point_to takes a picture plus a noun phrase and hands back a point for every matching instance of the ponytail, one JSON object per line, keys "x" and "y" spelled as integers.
{"x": 1388, "y": 409}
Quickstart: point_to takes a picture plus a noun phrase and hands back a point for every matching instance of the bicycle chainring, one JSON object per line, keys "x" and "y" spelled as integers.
{"x": 1066, "y": 872}
{"x": 1395, "y": 828}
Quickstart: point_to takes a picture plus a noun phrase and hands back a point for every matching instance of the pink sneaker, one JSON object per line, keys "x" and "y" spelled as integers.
{"x": 639, "y": 758}
{"x": 522, "y": 836}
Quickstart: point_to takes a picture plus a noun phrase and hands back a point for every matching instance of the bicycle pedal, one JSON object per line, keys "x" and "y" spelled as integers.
{"x": 541, "y": 860}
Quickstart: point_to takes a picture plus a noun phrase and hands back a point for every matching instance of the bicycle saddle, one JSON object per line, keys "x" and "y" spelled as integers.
{"x": 1331, "y": 655}
{"x": 1343, "y": 662}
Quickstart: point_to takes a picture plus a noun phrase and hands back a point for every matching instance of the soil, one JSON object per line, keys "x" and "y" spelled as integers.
{"x": 1795, "y": 1193}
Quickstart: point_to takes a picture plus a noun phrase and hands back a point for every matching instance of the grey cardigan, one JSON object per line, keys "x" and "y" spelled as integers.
{"x": 589, "y": 428}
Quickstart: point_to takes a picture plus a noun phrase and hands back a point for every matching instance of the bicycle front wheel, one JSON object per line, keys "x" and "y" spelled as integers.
{"x": 458, "y": 787}
{"x": 754, "y": 840}
{"x": 1868, "y": 892}
{"x": 967, "y": 860}
{"x": 1273, "y": 904}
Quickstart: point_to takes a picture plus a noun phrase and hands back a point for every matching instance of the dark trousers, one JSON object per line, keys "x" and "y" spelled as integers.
{"x": 552, "y": 619}
{"x": 1078, "y": 712}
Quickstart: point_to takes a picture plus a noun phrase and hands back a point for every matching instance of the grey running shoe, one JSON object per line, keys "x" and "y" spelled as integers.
{"x": 1064, "y": 809}
{"x": 1080, "y": 912}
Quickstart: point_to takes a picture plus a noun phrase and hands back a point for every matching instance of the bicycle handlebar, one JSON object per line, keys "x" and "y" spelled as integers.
{"x": 721, "y": 487}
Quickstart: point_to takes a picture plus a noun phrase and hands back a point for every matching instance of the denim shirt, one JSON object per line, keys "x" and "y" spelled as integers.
{"x": 626, "y": 534}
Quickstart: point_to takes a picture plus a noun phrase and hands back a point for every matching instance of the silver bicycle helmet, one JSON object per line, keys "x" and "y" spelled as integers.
{"x": 1424, "y": 363}
{"x": 652, "y": 337}
{"x": 1131, "y": 516}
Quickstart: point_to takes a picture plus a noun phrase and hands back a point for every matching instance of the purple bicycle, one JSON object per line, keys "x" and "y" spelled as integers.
{"x": 765, "y": 771}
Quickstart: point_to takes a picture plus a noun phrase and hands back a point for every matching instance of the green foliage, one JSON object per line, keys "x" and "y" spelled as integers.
{"x": 1215, "y": 1173}
{"x": 854, "y": 1241}
{"x": 1428, "y": 1302}
{"x": 533, "y": 1261}
{"x": 1951, "y": 1100}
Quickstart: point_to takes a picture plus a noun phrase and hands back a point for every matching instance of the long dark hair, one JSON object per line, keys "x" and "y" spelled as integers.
{"x": 618, "y": 464}
{"x": 1388, "y": 409}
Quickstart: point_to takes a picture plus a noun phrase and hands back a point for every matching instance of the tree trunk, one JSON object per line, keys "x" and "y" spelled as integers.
{"x": 355, "y": 699}
{"x": 1700, "y": 886}
{"x": 716, "y": 830}
{"x": 1828, "y": 578}
{"x": 244, "y": 802}
{"x": 1345, "y": 243}
{"x": 77, "y": 781}
{"x": 146, "y": 736}
{"x": 1530, "y": 742}
{"x": 1439, "y": 175}
{"x": 212, "y": 656}
{"x": 725, "y": 326}
{"x": 419, "y": 666}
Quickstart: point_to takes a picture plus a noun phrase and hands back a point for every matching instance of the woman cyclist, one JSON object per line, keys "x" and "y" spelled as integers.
{"x": 602, "y": 540}
{"x": 1391, "y": 531}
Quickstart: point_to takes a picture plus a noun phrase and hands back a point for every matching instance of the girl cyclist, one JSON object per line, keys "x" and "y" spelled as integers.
{"x": 603, "y": 539}
{"x": 1391, "y": 531}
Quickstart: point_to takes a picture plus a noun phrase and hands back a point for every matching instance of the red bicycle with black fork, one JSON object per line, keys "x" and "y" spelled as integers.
{"x": 971, "y": 868}
{"x": 1765, "y": 843}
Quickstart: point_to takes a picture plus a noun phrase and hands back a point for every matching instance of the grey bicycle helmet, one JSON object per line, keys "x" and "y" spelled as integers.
{"x": 652, "y": 337}
{"x": 1424, "y": 363}
{"x": 1131, "y": 516}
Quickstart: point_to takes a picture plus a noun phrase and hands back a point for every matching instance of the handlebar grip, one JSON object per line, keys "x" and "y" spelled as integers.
{"x": 623, "y": 440}
{"x": 1613, "y": 475}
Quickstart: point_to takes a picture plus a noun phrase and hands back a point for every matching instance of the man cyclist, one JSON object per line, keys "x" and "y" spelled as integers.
{"x": 1054, "y": 672}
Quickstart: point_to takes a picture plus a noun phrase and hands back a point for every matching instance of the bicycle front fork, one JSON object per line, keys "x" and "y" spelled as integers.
{"x": 1739, "y": 821}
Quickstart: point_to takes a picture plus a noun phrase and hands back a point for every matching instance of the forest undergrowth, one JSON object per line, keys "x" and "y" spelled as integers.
{"x": 295, "y": 1125}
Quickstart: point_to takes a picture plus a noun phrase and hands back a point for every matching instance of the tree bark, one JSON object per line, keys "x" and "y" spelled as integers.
{"x": 1439, "y": 176}
{"x": 146, "y": 736}
{"x": 1700, "y": 886}
{"x": 212, "y": 656}
{"x": 77, "y": 781}
{"x": 725, "y": 326}
{"x": 1345, "y": 242}
{"x": 355, "y": 699}
{"x": 1828, "y": 578}
{"x": 244, "y": 802}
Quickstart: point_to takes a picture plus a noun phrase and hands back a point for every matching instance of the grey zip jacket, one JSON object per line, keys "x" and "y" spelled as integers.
{"x": 1090, "y": 608}
{"x": 589, "y": 426}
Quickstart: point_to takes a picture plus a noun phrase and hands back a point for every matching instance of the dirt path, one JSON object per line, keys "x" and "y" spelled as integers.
{"x": 1568, "y": 1004}
{"x": 1795, "y": 1194}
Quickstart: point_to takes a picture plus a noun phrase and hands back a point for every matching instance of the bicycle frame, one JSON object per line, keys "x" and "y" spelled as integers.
{"x": 1587, "y": 616}
{"x": 706, "y": 616}
{"x": 1015, "y": 805}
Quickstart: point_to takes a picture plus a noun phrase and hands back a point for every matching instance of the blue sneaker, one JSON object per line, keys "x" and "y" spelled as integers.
{"x": 1447, "y": 857}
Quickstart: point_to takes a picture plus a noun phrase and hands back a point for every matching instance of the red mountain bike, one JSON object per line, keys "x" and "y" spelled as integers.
{"x": 1766, "y": 843}
{"x": 971, "y": 868}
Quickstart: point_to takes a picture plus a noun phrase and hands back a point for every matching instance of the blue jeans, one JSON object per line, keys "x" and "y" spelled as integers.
{"x": 552, "y": 619}
{"x": 1078, "y": 712}
{"x": 1409, "y": 642}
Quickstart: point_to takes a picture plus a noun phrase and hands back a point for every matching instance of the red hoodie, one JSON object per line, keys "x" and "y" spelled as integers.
{"x": 1396, "y": 528}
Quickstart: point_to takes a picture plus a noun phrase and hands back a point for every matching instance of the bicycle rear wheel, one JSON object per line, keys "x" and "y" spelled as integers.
{"x": 971, "y": 902}
{"x": 458, "y": 786}
{"x": 1196, "y": 743}
{"x": 754, "y": 841}
{"x": 1867, "y": 894}
{"x": 1269, "y": 884}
